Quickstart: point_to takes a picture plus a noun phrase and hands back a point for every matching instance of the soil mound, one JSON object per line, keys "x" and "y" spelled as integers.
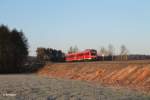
{"x": 135, "y": 74}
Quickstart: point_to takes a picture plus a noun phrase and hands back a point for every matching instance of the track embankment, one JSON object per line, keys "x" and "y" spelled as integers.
{"x": 131, "y": 74}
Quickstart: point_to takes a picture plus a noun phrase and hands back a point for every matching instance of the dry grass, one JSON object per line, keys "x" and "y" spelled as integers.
{"x": 33, "y": 87}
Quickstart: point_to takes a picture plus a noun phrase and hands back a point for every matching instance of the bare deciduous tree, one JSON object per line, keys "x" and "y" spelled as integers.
{"x": 110, "y": 50}
{"x": 123, "y": 52}
{"x": 70, "y": 50}
{"x": 73, "y": 49}
{"x": 103, "y": 52}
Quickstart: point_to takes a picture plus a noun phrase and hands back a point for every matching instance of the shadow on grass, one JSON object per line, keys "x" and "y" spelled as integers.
{"x": 33, "y": 67}
{"x": 26, "y": 69}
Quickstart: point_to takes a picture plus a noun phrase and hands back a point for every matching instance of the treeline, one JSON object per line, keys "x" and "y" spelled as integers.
{"x": 53, "y": 55}
{"x": 49, "y": 54}
{"x": 13, "y": 50}
{"x": 108, "y": 54}
{"x": 123, "y": 58}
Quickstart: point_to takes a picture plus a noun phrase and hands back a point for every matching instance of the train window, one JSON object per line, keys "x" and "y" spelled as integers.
{"x": 93, "y": 53}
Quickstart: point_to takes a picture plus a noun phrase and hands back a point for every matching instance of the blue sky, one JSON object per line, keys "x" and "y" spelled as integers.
{"x": 86, "y": 23}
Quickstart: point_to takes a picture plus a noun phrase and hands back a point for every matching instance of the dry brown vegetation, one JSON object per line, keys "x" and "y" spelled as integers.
{"x": 33, "y": 87}
{"x": 131, "y": 74}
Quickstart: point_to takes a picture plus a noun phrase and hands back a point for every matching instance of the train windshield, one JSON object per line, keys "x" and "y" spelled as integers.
{"x": 93, "y": 52}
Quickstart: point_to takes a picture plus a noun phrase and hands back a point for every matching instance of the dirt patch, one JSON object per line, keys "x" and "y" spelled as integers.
{"x": 133, "y": 74}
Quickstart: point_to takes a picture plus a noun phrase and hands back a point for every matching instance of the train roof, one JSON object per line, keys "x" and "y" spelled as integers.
{"x": 86, "y": 50}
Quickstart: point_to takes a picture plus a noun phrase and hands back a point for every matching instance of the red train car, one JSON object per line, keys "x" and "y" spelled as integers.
{"x": 88, "y": 54}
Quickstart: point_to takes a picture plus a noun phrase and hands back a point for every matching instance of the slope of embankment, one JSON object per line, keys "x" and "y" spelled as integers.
{"x": 132, "y": 74}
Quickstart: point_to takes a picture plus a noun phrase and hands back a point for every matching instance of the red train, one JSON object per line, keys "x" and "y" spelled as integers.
{"x": 89, "y": 54}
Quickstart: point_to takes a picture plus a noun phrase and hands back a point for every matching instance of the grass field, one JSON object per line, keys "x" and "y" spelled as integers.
{"x": 33, "y": 87}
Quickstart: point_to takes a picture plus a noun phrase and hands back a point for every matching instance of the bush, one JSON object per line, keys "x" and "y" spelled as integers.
{"x": 49, "y": 54}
